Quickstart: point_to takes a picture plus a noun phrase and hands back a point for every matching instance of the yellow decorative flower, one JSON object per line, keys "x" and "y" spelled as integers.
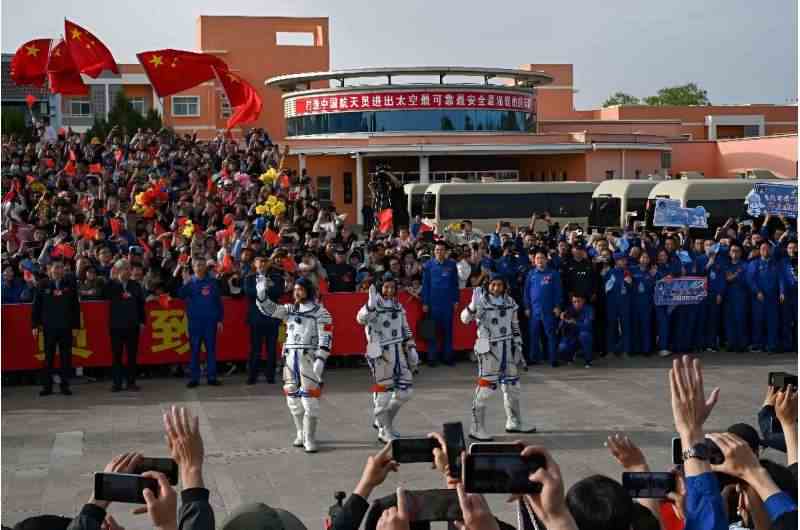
{"x": 269, "y": 176}
{"x": 188, "y": 229}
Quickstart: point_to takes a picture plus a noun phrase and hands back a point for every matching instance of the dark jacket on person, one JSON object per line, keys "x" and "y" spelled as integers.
{"x": 579, "y": 278}
{"x": 126, "y": 304}
{"x": 274, "y": 292}
{"x": 195, "y": 513}
{"x": 56, "y": 307}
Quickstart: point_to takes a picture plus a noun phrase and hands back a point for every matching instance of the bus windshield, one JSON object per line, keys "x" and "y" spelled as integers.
{"x": 605, "y": 212}
{"x": 429, "y": 206}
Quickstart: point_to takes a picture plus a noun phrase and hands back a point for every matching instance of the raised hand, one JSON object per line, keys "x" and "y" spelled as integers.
{"x": 185, "y": 445}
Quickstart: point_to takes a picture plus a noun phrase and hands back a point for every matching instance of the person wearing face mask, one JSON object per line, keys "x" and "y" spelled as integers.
{"x": 618, "y": 286}
{"x": 711, "y": 265}
{"x": 736, "y": 302}
{"x": 762, "y": 279}
{"x": 542, "y": 299}
{"x": 499, "y": 351}
{"x": 644, "y": 281}
{"x": 309, "y": 332}
{"x": 391, "y": 354}
{"x": 126, "y": 319}
{"x": 788, "y": 298}
{"x": 57, "y": 310}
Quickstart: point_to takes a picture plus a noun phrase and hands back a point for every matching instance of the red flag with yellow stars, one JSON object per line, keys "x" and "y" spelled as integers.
{"x": 89, "y": 54}
{"x": 29, "y": 64}
{"x": 243, "y": 98}
{"x": 172, "y": 71}
{"x": 63, "y": 74}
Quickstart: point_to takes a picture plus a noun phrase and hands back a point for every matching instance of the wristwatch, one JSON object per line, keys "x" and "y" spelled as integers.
{"x": 698, "y": 451}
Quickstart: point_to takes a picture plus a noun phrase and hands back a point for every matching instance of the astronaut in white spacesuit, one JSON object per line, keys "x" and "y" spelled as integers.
{"x": 391, "y": 354}
{"x": 309, "y": 329}
{"x": 499, "y": 352}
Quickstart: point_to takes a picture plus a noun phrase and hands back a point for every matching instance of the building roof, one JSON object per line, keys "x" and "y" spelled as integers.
{"x": 13, "y": 92}
{"x": 294, "y": 82}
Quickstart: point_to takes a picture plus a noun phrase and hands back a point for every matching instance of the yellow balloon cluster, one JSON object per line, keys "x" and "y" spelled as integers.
{"x": 453, "y": 227}
{"x": 188, "y": 229}
{"x": 273, "y": 206}
{"x": 269, "y": 176}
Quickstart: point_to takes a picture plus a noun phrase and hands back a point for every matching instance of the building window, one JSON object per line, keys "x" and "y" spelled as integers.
{"x": 224, "y": 106}
{"x": 348, "y": 187}
{"x": 80, "y": 107}
{"x": 564, "y": 175}
{"x": 324, "y": 191}
{"x": 751, "y": 130}
{"x": 137, "y": 103}
{"x": 609, "y": 174}
{"x": 666, "y": 159}
{"x": 186, "y": 106}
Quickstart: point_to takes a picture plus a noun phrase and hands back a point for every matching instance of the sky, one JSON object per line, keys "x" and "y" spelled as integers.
{"x": 740, "y": 51}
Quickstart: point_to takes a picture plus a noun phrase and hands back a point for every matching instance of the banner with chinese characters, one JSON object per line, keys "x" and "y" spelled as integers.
{"x": 681, "y": 291}
{"x": 772, "y": 199}
{"x": 408, "y": 100}
{"x": 669, "y": 212}
{"x": 164, "y": 339}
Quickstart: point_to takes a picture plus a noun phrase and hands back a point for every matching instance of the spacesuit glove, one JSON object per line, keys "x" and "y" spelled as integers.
{"x": 413, "y": 360}
{"x": 477, "y": 297}
{"x": 372, "y": 300}
{"x": 267, "y": 307}
{"x": 319, "y": 367}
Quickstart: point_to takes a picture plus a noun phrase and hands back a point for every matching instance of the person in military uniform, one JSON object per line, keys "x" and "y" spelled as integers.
{"x": 309, "y": 331}
{"x": 499, "y": 352}
{"x": 57, "y": 311}
{"x": 391, "y": 354}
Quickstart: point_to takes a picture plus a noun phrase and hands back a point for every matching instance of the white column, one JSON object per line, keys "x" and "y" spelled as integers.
{"x": 301, "y": 161}
{"x": 623, "y": 163}
{"x": 158, "y": 104}
{"x": 108, "y": 101}
{"x": 359, "y": 189}
{"x": 424, "y": 169}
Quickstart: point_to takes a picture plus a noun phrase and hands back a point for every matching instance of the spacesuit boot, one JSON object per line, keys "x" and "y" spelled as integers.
{"x": 310, "y": 433}
{"x": 477, "y": 430}
{"x": 514, "y": 423}
{"x": 298, "y": 424}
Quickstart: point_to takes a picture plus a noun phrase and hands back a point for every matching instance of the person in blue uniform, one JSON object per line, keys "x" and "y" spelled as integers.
{"x": 736, "y": 302}
{"x": 576, "y": 331}
{"x": 439, "y": 299}
{"x": 508, "y": 267}
{"x": 265, "y": 282}
{"x": 204, "y": 312}
{"x": 788, "y": 298}
{"x": 618, "y": 284}
{"x": 542, "y": 299}
{"x": 711, "y": 265}
{"x": 668, "y": 266}
{"x": 644, "y": 281}
{"x": 762, "y": 276}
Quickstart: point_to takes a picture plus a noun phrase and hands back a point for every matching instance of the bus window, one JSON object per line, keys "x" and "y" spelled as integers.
{"x": 605, "y": 211}
{"x": 720, "y": 210}
{"x": 429, "y": 205}
{"x": 569, "y": 204}
{"x": 636, "y": 205}
{"x": 493, "y": 206}
{"x": 416, "y": 204}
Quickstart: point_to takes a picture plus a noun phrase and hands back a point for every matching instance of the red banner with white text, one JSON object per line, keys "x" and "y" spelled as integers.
{"x": 164, "y": 339}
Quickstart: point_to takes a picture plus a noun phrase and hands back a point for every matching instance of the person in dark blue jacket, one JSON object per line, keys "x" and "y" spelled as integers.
{"x": 788, "y": 298}
{"x": 542, "y": 300}
{"x": 712, "y": 266}
{"x": 15, "y": 291}
{"x": 763, "y": 276}
{"x": 618, "y": 286}
{"x": 576, "y": 330}
{"x": 665, "y": 270}
{"x": 264, "y": 282}
{"x": 736, "y": 301}
{"x": 644, "y": 281}
{"x": 204, "y": 312}
{"x": 439, "y": 298}
{"x": 508, "y": 266}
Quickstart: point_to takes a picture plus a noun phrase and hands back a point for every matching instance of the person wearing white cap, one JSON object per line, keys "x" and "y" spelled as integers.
{"x": 309, "y": 332}
{"x": 499, "y": 351}
{"x": 391, "y": 354}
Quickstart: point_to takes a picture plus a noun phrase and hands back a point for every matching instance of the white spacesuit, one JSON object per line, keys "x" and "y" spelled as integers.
{"x": 391, "y": 354}
{"x": 499, "y": 351}
{"x": 309, "y": 330}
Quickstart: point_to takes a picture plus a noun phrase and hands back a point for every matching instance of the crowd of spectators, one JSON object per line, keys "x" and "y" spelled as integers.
{"x": 744, "y": 490}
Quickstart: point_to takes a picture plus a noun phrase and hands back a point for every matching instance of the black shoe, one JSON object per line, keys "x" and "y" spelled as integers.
{"x": 65, "y": 390}
{"x": 250, "y": 381}
{"x": 191, "y": 384}
{"x": 133, "y": 387}
{"x": 214, "y": 382}
{"x": 116, "y": 388}
{"x": 45, "y": 392}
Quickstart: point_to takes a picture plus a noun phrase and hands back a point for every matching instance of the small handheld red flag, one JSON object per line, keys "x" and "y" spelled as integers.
{"x": 385, "y": 220}
{"x": 272, "y": 237}
{"x": 87, "y": 51}
{"x": 30, "y": 99}
{"x": 29, "y": 64}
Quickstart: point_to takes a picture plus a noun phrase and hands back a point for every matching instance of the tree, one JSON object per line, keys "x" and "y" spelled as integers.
{"x": 621, "y": 98}
{"x": 128, "y": 119}
{"x": 13, "y": 121}
{"x": 688, "y": 94}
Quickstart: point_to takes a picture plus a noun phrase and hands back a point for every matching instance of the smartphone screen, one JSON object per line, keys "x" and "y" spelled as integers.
{"x": 167, "y": 466}
{"x": 648, "y": 485}
{"x": 677, "y": 452}
{"x": 501, "y": 473}
{"x": 454, "y": 438}
{"x": 122, "y": 487}
{"x": 495, "y": 448}
{"x": 411, "y": 450}
{"x": 781, "y": 380}
{"x": 435, "y": 505}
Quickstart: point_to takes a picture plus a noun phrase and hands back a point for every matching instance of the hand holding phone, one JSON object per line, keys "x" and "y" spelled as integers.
{"x": 123, "y": 487}
{"x": 413, "y": 450}
{"x": 454, "y": 441}
{"x": 502, "y": 473}
{"x": 166, "y": 466}
{"x": 781, "y": 380}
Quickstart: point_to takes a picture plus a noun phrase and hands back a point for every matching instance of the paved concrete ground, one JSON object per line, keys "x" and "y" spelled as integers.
{"x": 51, "y": 446}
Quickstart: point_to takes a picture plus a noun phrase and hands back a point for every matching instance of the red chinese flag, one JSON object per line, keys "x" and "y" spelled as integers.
{"x": 385, "y": 220}
{"x": 95, "y": 168}
{"x": 272, "y": 237}
{"x": 89, "y": 54}
{"x": 425, "y": 228}
{"x": 116, "y": 226}
{"x": 30, "y": 99}
{"x": 71, "y": 168}
{"x": 63, "y": 74}
{"x": 172, "y": 71}
{"x": 242, "y": 97}
{"x": 29, "y": 64}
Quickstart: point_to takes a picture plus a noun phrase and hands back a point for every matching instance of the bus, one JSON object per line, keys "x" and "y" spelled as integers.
{"x": 414, "y": 193}
{"x": 618, "y": 203}
{"x": 722, "y": 198}
{"x": 489, "y": 202}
